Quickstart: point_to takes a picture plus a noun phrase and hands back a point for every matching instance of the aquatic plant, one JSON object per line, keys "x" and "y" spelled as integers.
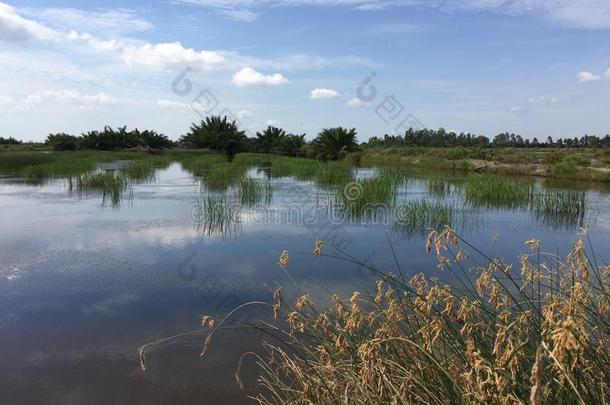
{"x": 497, "y": 192}
{"x": 422, "y": 216}
{"x": 110, "y": 185}
{"x": 216, "y": 215}
{"x": 365, "y": 197}
{"x": 254, "y": 191}
{"x": 565, "y": 208}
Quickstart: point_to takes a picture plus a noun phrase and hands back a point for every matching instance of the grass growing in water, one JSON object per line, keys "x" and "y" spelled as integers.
{"x": 254, "y": 191}
{"x": 366, "y": 197}
{"x": 216, "y": 215}
{"x": 109, "y": 184}
{"x": 560, "y": 208}
{"x": 420, "y": 217}
{"x": 496, "y": 192}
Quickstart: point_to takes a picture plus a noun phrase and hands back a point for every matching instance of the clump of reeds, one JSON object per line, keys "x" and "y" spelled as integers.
{"x": 539, "y": 333}
{"x": 216, "y": 215}
{"x": 420, "y": 216}
{"x": 438, "y": 186}
{"x": 566, "y": 209}
{"x": 497, "y": 192}
{"x": 254, "y": 191}
{"x": 364, "y": 197}
{"x": 110, "y": 185}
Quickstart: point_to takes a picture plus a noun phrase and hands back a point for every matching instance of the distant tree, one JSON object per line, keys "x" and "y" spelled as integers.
{"x": 292, "y": 145}
{"x": 9, "y": 141}
{"x": 216, "y": 133}
{"x": 270, "y": 140}
{"x": 153, "y": 139}
{"x": 62, "y": 141}
{"x": 332, "y": 143}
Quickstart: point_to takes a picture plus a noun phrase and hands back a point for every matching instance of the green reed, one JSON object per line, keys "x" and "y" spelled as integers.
{"x": 497, "y": 192}
{"x": 422, "y": 216}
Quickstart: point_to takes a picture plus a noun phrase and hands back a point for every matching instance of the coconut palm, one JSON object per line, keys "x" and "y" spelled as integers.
{"x": 332, "y": 143}
{"x": 292, "y": 145}
{"x": 270, "y": 140}
{"x": 216, "y": 133}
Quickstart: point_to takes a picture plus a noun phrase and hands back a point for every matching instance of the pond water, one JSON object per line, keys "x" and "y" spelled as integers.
{"x": 86, "y": 280}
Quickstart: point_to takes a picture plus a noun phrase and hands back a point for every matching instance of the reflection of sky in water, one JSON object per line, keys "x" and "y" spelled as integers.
{"x": 82, "y": 286}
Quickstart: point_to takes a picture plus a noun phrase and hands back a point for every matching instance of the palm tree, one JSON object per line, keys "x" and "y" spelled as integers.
{"x": 216, "y": 133}
{"x": 292, "y": 145}
{"x": 332, "y": 143}
{"x": 270, "y": 139}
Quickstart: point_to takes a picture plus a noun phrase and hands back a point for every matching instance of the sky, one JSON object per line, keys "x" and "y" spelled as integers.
{"x": 538, "y": 68}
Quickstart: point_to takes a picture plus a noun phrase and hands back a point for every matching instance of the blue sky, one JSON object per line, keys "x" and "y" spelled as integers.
{"x": 535, "y": 67}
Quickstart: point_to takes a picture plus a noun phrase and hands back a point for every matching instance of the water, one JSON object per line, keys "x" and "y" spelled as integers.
{"x": 84, "y": 283}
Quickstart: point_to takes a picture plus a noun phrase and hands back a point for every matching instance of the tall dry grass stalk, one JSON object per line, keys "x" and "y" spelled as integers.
{"x": 538, "y": 335}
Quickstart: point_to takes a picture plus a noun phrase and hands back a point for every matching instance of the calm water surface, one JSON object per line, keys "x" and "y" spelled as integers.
{"x": 84, "y": 283}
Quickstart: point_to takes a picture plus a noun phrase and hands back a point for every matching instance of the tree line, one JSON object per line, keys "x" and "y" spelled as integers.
{"x": 443, "y": 139}
{"x": 221, "y": 134}
{"x": 216, "y": 133}
{"x": 9, "y": 141}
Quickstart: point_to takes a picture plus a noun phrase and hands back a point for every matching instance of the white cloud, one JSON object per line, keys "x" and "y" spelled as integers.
{"x": 323, "y": 93}
{"x": 172, "y": 104}
{"x": 592, "y": 14}
{"x": 250, "y": 77}
{"x": 543, "y": 100}
{"x": 584, "y": 77}
{"x": 356, "y": 102}
{"x": 71, "y": 97}
{"x": 273, "y": 123}
{"x": 607, "y": 74}
{"x": 170, "y": 55}
{"x": 4, "y": 99}
{"x": 245, "y": 114}
{"x": 516, "y": 109}
{"x": 14, "y": 28}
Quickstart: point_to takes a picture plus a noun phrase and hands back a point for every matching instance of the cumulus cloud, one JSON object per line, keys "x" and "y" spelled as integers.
{"x": 250, "y": 77}
{"x": 245, "y": 114}
{"x": 323, "y": 93}
{"x": 71, "y": 97}
{"x": 273, "y": 123}
{"x": 356, "y": 102}
{"x": 584, "y": 77}
{"x": 170, "y": 55}
{"x": 14, "y": 28}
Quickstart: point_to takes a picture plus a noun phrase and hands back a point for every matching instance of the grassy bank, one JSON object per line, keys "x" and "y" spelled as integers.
{"x": 575, "y": 164}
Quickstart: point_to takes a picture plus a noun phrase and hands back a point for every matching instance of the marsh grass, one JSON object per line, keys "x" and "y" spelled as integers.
{"x": 110, "y": 185}
{"x": 438, "y": 186}
{"x": 497, "y": 192}
{"x": 144, "y": 171}
{"x": 254, "y": 191}
{"x": 422, "y": 216}
{"x": 363, "y": 197}
{"x": 216, "y": 215}
{"x": 566, "y": 209}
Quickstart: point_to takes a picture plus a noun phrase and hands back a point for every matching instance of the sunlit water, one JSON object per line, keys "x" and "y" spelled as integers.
{"x": 84, "y": 283}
